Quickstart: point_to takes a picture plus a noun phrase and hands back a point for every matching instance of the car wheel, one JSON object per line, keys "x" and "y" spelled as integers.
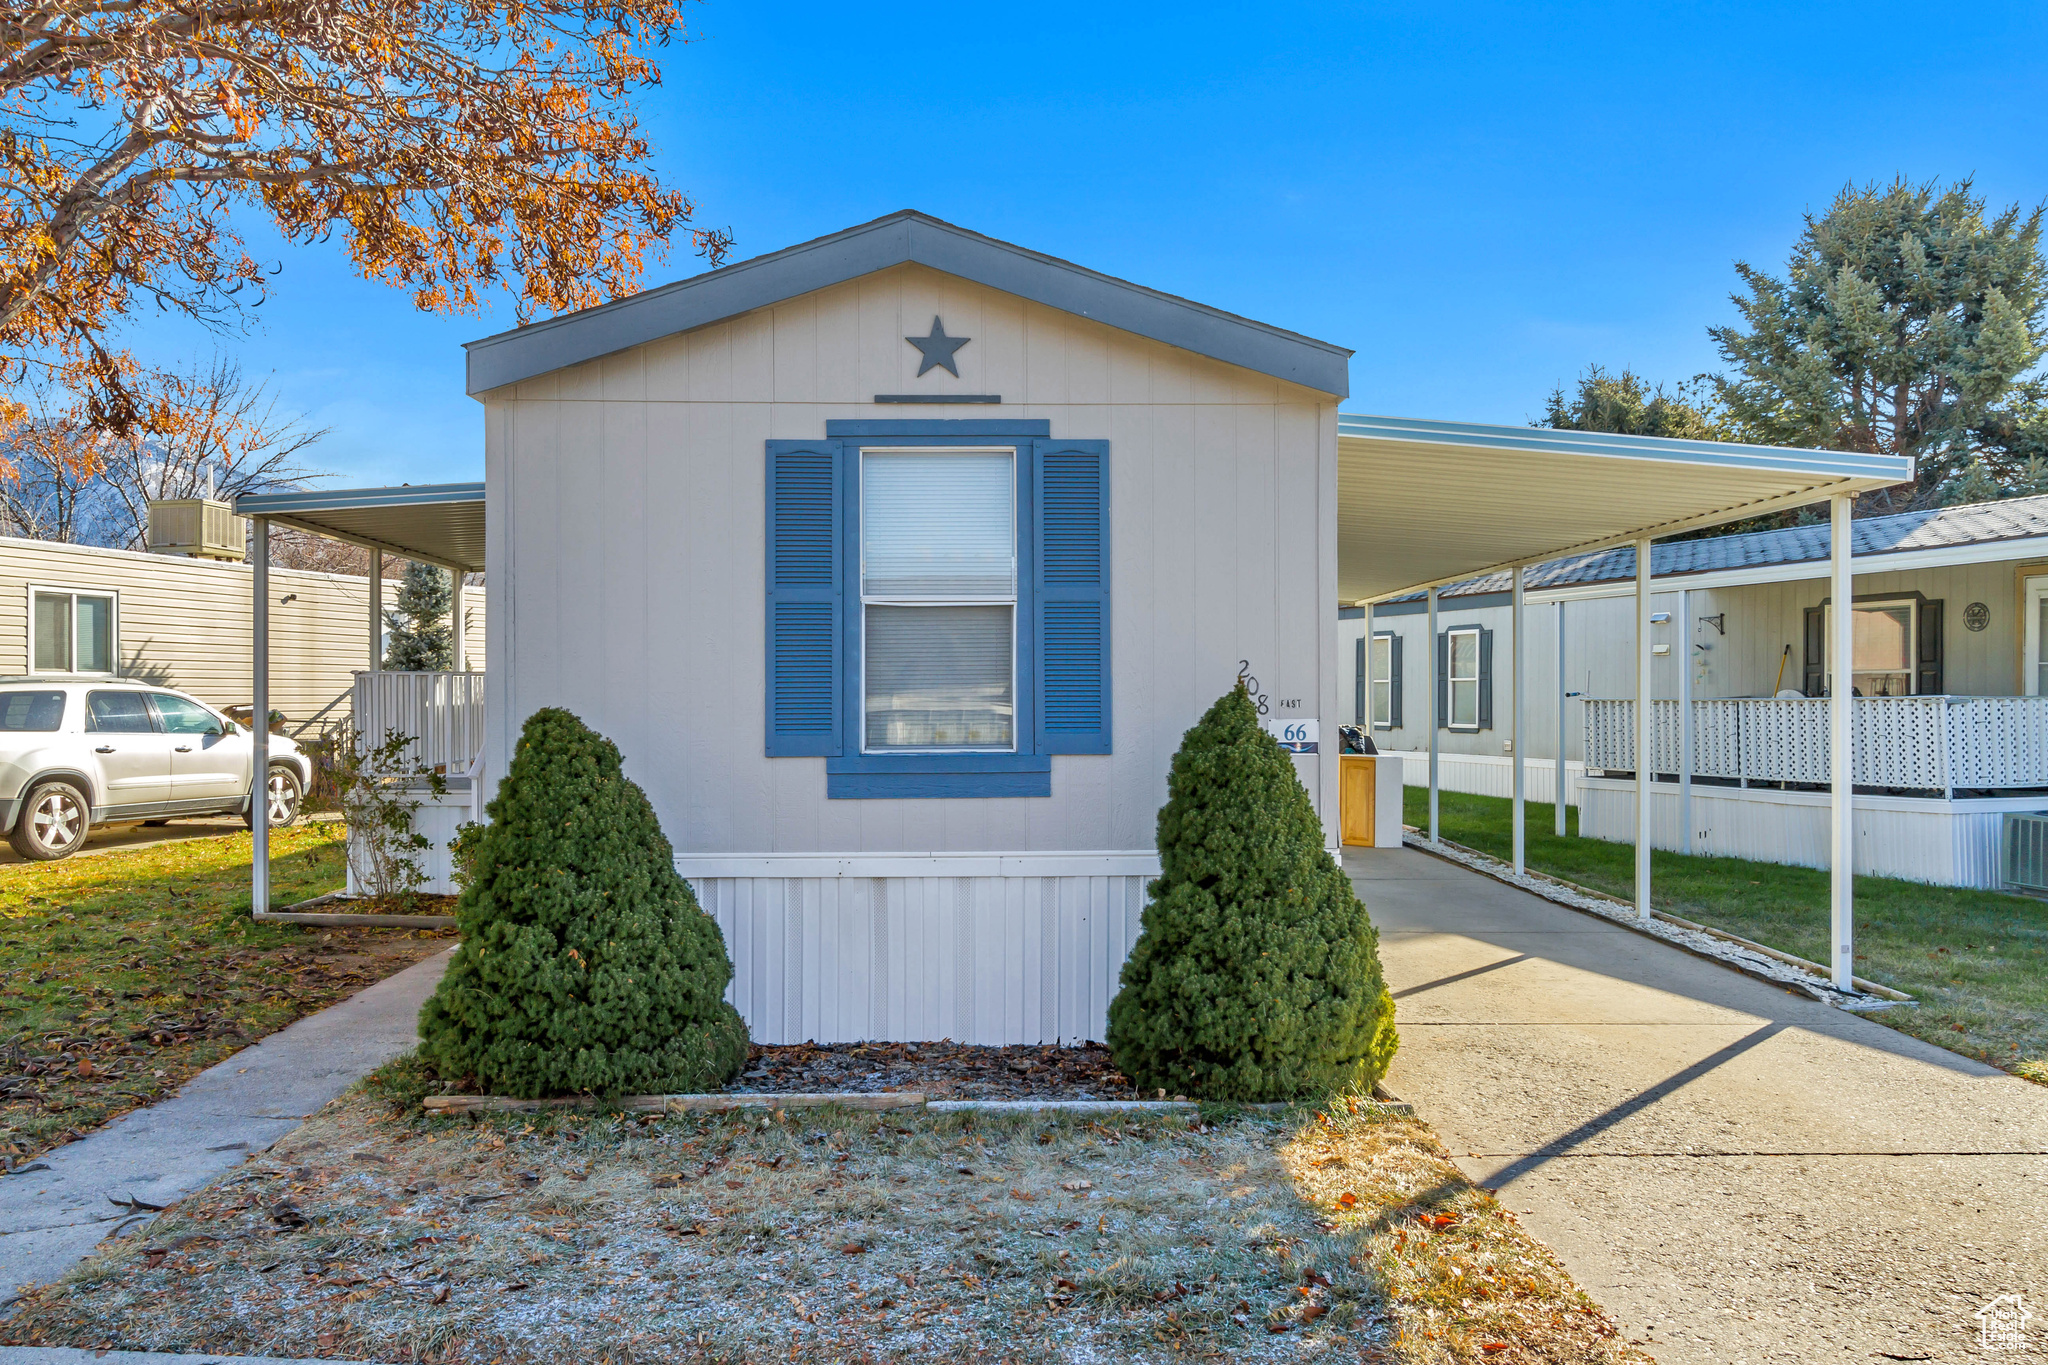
{"x": 282, "y": 795}
{"x": 53, "y": 824}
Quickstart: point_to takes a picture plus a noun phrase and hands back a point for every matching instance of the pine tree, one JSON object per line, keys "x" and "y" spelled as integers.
{"x": 421, "y": 640}
{"x": 1908, "y": 322}
{"x": 586, "y": 965}
{"x": 1256, "y": 975}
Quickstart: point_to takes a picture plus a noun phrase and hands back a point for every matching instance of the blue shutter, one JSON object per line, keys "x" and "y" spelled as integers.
{"x": 805, "y": 598}
{"x": 1071, "y": 591}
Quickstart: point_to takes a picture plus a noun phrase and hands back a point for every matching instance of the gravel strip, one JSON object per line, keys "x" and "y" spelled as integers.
{"x": 941, "y": 1070}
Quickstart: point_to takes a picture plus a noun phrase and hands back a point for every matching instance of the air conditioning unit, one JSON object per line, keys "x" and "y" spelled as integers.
{"x": 2024, "y": 850}
{"x": 198, "y": 528}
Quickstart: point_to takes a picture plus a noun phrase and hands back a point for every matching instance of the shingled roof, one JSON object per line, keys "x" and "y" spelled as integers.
{"x": 1975, "y": 523}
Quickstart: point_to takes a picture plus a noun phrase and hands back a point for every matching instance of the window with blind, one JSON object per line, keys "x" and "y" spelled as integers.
{"x": 71, "y": 632}
{"x": 938, "y": 607}
{"x": 938, "y": 550}
{"x": 1383, "y": 682}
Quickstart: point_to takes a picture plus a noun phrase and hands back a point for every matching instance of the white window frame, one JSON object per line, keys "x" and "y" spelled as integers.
{"x": 896, "y": 600}
{"x": 2033, "y": 594}
{"x": 1382, "y": 717}
{"x": 1912, "y": 669}
{"x": 1453, "y": 681}
{"x": 113, "y": 599}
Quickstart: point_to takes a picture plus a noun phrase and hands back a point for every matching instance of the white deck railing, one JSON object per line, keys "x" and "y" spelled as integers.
{"x": 443, "y": 713}
{"x": 1917, "y": 743}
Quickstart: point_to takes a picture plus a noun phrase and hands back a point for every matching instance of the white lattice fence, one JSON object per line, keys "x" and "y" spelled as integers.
{"x": 1912, "y": 743}
{"x": 1999, "y": 741}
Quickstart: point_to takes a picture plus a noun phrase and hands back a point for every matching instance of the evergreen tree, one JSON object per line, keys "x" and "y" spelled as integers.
{"x": 1907, "y": 323}
{"x": 1257, "y": 973}
{"x": 420, "y": 639}
{"x": 586, "y": 965}
{"x": 1628, "y": 405}
{"x": 1978, "y": 483}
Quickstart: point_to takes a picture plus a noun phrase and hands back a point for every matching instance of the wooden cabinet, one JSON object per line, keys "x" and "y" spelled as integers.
{"x": 1356, "y": 786}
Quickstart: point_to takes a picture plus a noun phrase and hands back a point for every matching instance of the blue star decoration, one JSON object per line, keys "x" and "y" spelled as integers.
{"x": 938, "y": 349}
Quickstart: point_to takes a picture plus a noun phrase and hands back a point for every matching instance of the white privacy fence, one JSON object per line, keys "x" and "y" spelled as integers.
{"x": 442, "y": 713}
{"x": 1918, "y": 743}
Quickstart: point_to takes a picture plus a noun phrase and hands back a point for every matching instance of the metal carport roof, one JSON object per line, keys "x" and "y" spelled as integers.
{"x": 439, "y": 523}
{"x": 1423, "y": 503}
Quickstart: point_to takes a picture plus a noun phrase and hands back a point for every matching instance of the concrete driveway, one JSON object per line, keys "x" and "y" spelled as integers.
{"x": 1738, "y": 1173}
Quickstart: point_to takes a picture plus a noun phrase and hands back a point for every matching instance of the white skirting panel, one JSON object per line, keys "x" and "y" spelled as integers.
{"x": 1490, "y": 774}
{"x": 977, "y": 959}
{"x": 1946, "y": 843}
{"x": 438, "y": 818}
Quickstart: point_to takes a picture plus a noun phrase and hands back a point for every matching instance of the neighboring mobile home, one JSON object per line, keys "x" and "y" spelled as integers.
{"x": 76, "y": 610}
{"x": 1950, "y": 619}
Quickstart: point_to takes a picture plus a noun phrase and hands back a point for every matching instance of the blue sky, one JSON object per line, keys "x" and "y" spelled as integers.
{"x": 1479, "y": 203}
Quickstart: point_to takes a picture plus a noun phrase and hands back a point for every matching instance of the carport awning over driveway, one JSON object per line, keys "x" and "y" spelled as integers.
{"x": 1422, "y": 503}
{"x": 440, "y": 523}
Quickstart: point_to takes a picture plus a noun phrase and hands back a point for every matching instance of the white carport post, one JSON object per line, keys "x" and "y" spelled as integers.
{"x": 1643, "y": 760}
{"x": 1685, "y": 715}
{"x": 1558, "y": 810}
{"x": 376, "y": 611}
{"x": 259, "y": 727}
{"x": 1430, "y": 672}
{"x": 1515, "y": 666}
{"x": 1841, "y": 657}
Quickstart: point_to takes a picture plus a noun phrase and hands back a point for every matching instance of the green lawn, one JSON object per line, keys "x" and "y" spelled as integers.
{"x": 123, "y": 974}
{"x": 1977, "y": 961}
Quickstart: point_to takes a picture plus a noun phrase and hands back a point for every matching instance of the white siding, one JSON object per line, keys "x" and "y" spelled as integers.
{"x": 626, "y": 524}
{"x": 185, "y": 623}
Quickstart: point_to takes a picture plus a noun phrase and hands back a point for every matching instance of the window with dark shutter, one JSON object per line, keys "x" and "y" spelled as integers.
{"x": 805, "y": 600}
{"x": 938, "y": 610}
{"x": 1928, "y": 680}
{"x": 1073, "y": 597}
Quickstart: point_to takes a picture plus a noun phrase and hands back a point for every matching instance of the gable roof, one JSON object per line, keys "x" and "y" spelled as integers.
{"x": 1977, "y": 523}
{"x": 897, "y": 239}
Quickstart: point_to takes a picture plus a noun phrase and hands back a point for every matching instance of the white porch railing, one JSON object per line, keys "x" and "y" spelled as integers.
{"x": 442, "y": 712}
{"x": 1917, "y": 743}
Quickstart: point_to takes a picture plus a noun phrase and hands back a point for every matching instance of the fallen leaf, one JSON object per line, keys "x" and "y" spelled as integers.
{"x": 1347, "y": 1200}
{"x": 853, "y": 1248}
{"x": 1076, "y": 1186}
{"x": 1027, "y": 1198}
{"x": 441, "y": 1294}
{"x": 1312, "y": 1312}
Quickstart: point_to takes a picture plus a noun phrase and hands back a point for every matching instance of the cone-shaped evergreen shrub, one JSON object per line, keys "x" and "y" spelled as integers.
{"x": 1257, "y": 973}
{"x": 586, "y": 964}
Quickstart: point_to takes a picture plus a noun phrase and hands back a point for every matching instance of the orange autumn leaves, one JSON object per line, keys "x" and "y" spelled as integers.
{"x": 450, "y": 146}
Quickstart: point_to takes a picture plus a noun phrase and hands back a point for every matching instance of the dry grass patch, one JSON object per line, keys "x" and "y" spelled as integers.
{"x": 125, "y": 974}
{"x": 833, "y": 1236}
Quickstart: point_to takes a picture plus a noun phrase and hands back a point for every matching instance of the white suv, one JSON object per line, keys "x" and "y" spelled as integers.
{"x": 76, "y": 754}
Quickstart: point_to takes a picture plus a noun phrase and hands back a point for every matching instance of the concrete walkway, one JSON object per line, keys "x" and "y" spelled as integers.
{"x": 51, "y": 1219}
{"x": 1739, "y": 1174}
